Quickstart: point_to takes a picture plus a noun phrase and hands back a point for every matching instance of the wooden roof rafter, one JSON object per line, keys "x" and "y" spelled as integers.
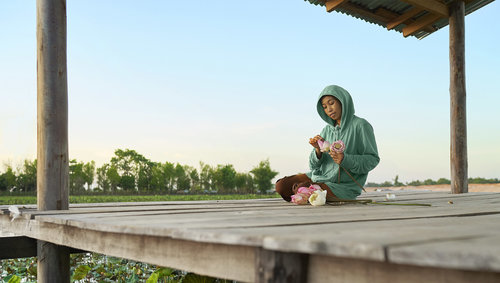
{"x": 422, "y": 22}
{"x": 384, "y": 16}
{"x": 404, "y": 17}
{"x": 432, "y": 6}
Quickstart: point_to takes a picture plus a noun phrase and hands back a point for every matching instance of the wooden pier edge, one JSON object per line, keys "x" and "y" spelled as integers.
{"x": 247, "y": 263}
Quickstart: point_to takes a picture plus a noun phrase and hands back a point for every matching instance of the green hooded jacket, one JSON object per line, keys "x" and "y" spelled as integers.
{"x": 360, "y": 154}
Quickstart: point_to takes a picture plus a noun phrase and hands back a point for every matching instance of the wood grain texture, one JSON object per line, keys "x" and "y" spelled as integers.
{"x": 202, "y": 238}
{"x": 52, "y": 106}
{"x": 52, "y": 131}
{"x": 458, "y": 103}
{"x": 343, "y": 270}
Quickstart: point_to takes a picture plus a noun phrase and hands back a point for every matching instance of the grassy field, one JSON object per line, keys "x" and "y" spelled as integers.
{"x": 20, "y": 200}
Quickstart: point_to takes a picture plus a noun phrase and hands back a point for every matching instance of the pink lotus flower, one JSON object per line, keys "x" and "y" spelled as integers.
{"x": 324, "y": 146}
{"x": 300, "y": 198}
{"x": 308, "y": 190}
{"x": 338, "y": 146}
{"x": 303, "y": 194}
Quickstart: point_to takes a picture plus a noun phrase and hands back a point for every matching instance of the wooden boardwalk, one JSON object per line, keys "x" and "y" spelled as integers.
{"x": 457, "y": 239}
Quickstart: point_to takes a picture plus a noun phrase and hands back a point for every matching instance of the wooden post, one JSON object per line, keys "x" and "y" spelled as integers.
{"x": 458, "y": 148}
{"x": 53, "y": 263}
{"x": 274, "y": 266}
{"x": 52, "y": 130}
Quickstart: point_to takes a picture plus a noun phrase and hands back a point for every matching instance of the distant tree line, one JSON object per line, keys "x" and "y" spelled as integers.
{"x": 131, "y": 172}
{"x": 440, "y": 181}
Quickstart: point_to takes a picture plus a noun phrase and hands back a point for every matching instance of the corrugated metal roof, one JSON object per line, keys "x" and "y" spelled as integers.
{"x": 380, "y": 12}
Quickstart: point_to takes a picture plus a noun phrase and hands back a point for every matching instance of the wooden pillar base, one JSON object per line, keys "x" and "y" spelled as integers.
{"x": 276, "y": 267}
{"x": 53, "y": 263}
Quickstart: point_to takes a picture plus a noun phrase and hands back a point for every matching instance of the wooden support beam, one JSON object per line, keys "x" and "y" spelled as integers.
{"x": 52, "y": 131}
{"x": 53, "y": 263}
{"x": 20, "y": 246}
{"x": 354, "y": 8}
{"x": 403, "y": 18}
{"x": 16, "y": 247}
{"x": 420, "y": 24}
{"x": 458, "y": 121}
{"x": 274, "y": 266}
{"x": 52, "y": 106}
{"x": 432, "y": 6}
{"x": 333, "y": 4}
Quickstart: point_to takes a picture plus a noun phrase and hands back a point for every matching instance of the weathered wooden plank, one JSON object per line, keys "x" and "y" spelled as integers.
{"x": 223, "y": 261}
{"x": 357, "y": 231}
{"x": 368, "y": 240}
{"x": 478, "y": 253}
{"x": 291, "y": 215}
{"x": 343, "y": 270}
{"x": 128, "y": 206}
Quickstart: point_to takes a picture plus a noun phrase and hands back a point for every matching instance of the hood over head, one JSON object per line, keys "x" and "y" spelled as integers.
{"x": 347, "y": 105}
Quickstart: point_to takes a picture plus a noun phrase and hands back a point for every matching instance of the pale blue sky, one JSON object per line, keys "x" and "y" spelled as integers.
{"x": 236, "y": 82}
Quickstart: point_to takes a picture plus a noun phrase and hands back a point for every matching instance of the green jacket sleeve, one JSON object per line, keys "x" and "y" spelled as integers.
{"x": 366, "y": 158}
{"x": 314, "y": 161}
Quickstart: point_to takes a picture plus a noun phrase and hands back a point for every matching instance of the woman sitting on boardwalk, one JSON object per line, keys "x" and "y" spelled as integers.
{"x": 360, "y": 156}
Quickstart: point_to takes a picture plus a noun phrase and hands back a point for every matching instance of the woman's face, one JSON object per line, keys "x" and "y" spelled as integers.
{"x": 332, "y": 107}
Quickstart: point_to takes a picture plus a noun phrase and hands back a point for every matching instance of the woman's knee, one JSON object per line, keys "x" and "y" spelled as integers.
{"x": 285, "y": 185}
{"x": 284, "y": 188}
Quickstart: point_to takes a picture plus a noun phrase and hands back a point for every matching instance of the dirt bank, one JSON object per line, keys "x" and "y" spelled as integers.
{"x": 444, "y": 188}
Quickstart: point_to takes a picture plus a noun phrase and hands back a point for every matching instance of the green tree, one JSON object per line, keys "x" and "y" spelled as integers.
{"x": 182, "y": 181}
{"x": 26, "y": 177}
{"x": 162, "y": 176}
{"x": 244, "y": 183}
{"x": 8, "y": 180}
{"x": 443, "y": 181}
{"x": 263, "y": 174}
{"x": 194, "y": 178}
{"x": 206, "y": 177}
{"x": 113, "y": 177}
{"x": 89, "y": 173}
{"x": 415, "y": 183}
{"x": 145, "y": 175}
{"x": 225, "y": 178}
{"x": 76, "y": 177}
{"x": 129, "y": 164}
{"x": 428, "y": 182}
{"x": 396, "y": 182}
{"x": 127, "y": 183}
{"x": 103, "y": 181}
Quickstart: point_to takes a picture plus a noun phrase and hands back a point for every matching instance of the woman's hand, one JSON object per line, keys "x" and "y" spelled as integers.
{"x": 337, "y": 157}
{"x": 314, "y": 141}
